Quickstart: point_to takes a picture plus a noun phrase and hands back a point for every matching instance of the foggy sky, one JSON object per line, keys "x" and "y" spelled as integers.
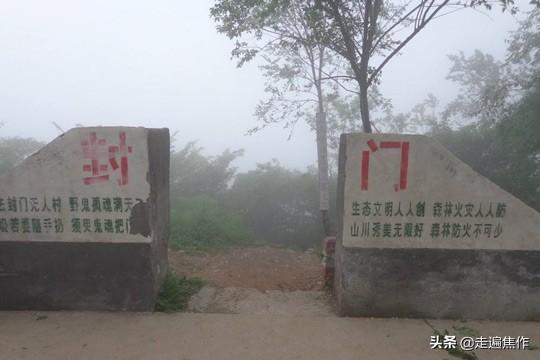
{"x": 162, "y": 64}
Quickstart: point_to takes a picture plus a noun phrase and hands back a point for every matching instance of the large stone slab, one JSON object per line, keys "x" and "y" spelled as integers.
{"x": 84, "y": 222}
{"x": 423, "y": 235}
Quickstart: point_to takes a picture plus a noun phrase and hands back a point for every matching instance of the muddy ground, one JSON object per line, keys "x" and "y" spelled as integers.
{"x": 262, "y": 268}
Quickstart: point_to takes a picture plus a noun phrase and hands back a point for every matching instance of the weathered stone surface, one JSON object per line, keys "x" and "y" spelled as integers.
{"x": 422, "y": 235}
{"x": 84, "y": 222}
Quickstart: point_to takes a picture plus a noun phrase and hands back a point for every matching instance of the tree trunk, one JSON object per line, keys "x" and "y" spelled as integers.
{"x": 364, "y": 109}
{"x": 322, "y": 159}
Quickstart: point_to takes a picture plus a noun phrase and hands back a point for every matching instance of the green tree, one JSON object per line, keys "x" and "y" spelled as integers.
{"x": 523, "y": 50}
{"x": 344, "y": 112}
{"x": 518, "y": 143}
{"x": 279, "y": 205}
{"x": 376, "y": 30}
{"x": 485, "y": 88}
{"x": 200, "y": 218}
{"x": 498, "y": 112}
{"x": 508, "y": 153}
{"x": 296, "y": 64}
{"x": 193, "y": 173}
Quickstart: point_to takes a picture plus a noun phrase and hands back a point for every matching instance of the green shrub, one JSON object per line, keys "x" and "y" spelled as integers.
{"x": 175, "y": 293}
{"x": 280, "y": 205}
{"x": 202, "y": 222}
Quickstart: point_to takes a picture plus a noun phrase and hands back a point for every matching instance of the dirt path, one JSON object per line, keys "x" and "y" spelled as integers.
{"x": 256, "y": 281}
{"x": 262, "y": 268}
{"x": 232, "y": 300}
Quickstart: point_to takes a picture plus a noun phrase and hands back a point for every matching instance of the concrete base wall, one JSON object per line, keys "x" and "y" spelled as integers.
{"x": 71, "y": 276}
{"x": 436, "y": 283}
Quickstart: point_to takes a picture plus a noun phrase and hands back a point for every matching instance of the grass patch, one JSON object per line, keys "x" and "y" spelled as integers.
{"x": 175, "y": 293}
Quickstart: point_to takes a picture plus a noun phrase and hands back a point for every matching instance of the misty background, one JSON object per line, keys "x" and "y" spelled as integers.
{"x": 162, "y": 64}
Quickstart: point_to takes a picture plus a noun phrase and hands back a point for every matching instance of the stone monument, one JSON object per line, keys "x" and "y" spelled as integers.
{"x": 423, "y": 235}
{"x": 84, "y": 222}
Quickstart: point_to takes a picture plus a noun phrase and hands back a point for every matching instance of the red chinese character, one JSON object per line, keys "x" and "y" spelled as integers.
{"x": 95, "y": 149}
{"x": 404, "y": 166}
